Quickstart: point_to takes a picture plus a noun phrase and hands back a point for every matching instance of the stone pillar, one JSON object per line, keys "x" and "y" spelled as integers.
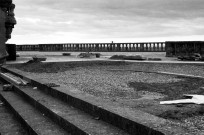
{"x": 142, "y": 47}
{"x": 3, "y": 52}
{"x": 7, "y": 22}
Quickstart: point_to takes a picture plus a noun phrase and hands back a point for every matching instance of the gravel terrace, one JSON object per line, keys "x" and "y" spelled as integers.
{"x": 120, "y": 82}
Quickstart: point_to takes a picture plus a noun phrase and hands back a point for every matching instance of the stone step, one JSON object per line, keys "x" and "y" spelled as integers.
{"x": 35, "y": 122}
{"x": 8, "y": 124}
{"x": 70, "y": 118}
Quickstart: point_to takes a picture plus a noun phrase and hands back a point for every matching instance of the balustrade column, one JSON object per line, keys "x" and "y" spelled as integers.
{"x": 70, "y": 47}
{"x": 124, "y": 47}
{"x": 73, "y": 47}
{"x": 137, "y": 47}
{"x": 67, "y": 47}
{"x": 84, "y": 47}
{"x": 158, "y": 47}
{"x": 90, "y": 47}
{"x": 80, "y": 47}
{"x": 142, "y": 47}
{"x": 53, "y": 48}
{"x": 102, "y": 47}
{"x": 128, "y": 48}
{"x": 133, "y": 47}
{"x": 113, "y": 47}
{"x": 154, "y": 48}
{"x": 163, "y": 47}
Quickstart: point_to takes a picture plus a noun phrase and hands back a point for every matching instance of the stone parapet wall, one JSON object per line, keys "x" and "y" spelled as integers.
{"x": 96, "y": 47}
{"x": 181, "y": 48}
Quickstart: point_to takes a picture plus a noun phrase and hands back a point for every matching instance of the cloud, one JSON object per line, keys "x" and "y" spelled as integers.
{"x": 105, "y": 19}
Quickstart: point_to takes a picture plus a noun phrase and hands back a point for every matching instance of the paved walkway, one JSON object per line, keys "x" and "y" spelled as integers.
{"x": 58, "y": 57}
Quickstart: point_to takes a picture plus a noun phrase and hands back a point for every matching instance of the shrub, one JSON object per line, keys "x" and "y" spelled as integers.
{"x": 154, "y": 59}
{"x": 136, "y": 57}
{"x": 119, "y": 57}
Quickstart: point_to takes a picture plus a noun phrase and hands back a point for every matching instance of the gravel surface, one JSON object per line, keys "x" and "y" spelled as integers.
{"x": 104, "y": 83}
{"x": 137, "y": 90}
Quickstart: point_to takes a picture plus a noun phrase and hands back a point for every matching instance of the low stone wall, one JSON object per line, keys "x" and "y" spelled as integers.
{"x": 179, "y": 48}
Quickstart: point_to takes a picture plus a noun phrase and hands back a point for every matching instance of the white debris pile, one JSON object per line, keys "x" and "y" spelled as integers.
{"x": 190, "y": 99}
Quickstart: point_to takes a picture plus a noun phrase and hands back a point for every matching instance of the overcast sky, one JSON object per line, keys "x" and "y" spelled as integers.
{"x": 76, "y": 21}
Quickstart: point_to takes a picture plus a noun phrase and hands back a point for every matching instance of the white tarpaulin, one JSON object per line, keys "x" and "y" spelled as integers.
{"x": 192, "y": 99}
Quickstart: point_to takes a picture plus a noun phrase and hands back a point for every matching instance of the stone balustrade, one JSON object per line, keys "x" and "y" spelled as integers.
{"x": 96, "y": 47}
{"x": 27, "y": 48}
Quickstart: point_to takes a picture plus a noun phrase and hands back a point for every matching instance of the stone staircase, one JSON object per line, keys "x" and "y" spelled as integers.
{"x": 43, "y": 114}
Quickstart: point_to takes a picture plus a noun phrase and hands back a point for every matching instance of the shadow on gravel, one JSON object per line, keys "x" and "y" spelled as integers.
{"x": 183, "y": 114}
{"x": 39, "y": 67}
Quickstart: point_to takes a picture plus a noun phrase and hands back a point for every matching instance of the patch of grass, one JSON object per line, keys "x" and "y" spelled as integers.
{"x": 124, "y": 57}
{"x": 182, "y": 114}
{"x": 173, "y": 90}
